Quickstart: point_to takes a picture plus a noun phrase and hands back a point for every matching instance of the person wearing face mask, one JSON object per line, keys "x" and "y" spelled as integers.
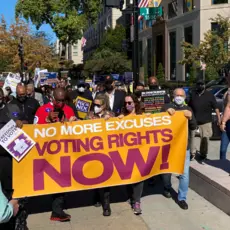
{"x": 30, "y": 90}
{"x": 203, "y": 104}
{"x": 139, "y": 88}
{"x": 132, "y": 107}
{"x": 154, "y": 85}
{"x": 56, "y": 111}
{"x": 116, "y": 97}
{"x": 101, "y": 111}
{"x": 82, "y": 92}
{"x": 179, "y": 105}
{"x": 28, "y": 106}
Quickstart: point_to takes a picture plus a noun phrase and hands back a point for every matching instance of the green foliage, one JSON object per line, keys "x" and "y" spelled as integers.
{"x": 109, "y": 57}
{"x": 67, "y": 18}
{"x": 213, "y": 50}
{"x": 160, "y": 73}
{"x": 113, "y": 39}
{"x": 192, "y": 76}
{"x": 211, "y": 73}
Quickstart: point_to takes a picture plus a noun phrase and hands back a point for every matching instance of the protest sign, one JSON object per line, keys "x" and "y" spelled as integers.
{"x": 12, "y": 81}
{"x": 82, "y": 106}
{"x": 37, "y": 78}
{"x": 15, "y": 141}
{"x": 98, "y": 153}
{"x": 153, "y": 100}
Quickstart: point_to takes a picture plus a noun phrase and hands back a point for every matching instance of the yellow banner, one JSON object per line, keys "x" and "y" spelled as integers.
{"x": 98, "y": 153}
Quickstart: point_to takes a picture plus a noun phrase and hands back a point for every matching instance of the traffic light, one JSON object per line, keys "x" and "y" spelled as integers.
{"x": 20, "y": 50}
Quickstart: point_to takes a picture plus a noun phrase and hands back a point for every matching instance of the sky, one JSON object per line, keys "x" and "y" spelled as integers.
{"x": 7, "y": 9}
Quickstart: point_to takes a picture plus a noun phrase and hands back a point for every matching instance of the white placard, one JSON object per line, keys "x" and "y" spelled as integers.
{"x": 15, "y": 141}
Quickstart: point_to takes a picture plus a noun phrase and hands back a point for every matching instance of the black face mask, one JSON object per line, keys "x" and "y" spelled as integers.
{"x": 108, "y": 87}
{"x": 200, "y": 88}
{"x": 21, "y": 98}
{"x": 153, "y": 87}
{"x": 138, "y": 93}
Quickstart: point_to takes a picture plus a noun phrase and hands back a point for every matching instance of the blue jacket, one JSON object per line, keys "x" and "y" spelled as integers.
{"x": 6, "y": 209}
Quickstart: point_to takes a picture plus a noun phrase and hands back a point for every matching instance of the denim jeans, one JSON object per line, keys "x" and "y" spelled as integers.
{"x": 225, "y": 139}
{"x": 183, "y": 179}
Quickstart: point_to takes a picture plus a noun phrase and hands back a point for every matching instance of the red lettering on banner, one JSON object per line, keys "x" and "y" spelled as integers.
{"x": 41, "y": 166}
{"x": 134, "y": 156}
{"x": 77, "y": 169}
{"x": 63, "y": 178}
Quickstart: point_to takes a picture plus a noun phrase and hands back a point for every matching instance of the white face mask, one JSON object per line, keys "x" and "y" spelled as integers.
{"x": 179, "y": 100}
{"x": 97, "y": 109}
{"x": 81, "y": 89}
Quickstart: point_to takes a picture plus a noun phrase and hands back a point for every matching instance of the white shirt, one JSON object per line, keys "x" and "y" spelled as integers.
{"x": 111, "y": 99}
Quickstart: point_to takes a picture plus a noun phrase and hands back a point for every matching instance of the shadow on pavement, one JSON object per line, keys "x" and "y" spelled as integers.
{"x": 85, "y": 198}
{"x": 221, "y": 164}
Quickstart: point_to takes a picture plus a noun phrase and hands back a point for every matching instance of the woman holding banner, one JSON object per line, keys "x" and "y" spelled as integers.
{"x": 101, "y": 111}
{"x": 132, "y": 107}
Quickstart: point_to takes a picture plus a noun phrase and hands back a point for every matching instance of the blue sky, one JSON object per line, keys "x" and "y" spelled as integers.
{"x": 7, "y": 9}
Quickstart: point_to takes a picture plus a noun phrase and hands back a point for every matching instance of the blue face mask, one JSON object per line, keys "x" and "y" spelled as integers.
{"x": 179, "y": 100}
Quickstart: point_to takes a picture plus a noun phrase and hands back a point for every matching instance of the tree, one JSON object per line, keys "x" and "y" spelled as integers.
{"x": 67, "y": 18}
{"x": 36, "y": 48}
{"x": 160, "y": 73}
{"x": 213, "y": 50}
{"x": 109, "y": 57}
{"x": 192, "y": 76}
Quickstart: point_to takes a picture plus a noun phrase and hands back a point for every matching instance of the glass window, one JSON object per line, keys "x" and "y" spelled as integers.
{"x": 188, "y": 37}
{"x": 150, "y": 56}
{"x": 215, "y": 27}
{"x": 140, "y": 54}
{"x": 172, "y": 11}
{"x": 219, "y": 1}
{"x": 172, "y": 41}
{"x": 187, "y": 5}
{"x": 75, "y": 53}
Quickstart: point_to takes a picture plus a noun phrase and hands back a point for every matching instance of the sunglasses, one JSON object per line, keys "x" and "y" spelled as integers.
{"x": 129, "y": 102}
{"x": 99, "y": 106}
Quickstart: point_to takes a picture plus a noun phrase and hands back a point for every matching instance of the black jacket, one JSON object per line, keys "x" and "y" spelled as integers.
{"x": 119, "y": 100}
{"x": 192, "y": 124}
{"x": 9, "y": 112}
{"x": 28, "y": 109}
{"x": 71, "y": 97}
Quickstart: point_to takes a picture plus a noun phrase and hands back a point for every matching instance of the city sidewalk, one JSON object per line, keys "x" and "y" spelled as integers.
{"x": 90, "y": 218}
{"x": 159, "y": 213}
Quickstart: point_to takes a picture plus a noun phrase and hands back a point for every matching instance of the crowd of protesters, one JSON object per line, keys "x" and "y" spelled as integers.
{"x": 49, "y": 104}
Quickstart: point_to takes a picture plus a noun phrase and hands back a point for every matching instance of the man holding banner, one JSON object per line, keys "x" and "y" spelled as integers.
{"x": 57, "y": 111}
{"x": 178, "y": 105}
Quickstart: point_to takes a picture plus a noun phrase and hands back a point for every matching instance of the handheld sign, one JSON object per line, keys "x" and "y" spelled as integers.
{"x": 15, "y": 141}
{"x": 153, "y": 100}
{"x": 82, "y": 106}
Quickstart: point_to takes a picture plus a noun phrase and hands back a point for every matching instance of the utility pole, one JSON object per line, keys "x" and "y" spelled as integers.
{"x": 21, "y": 55}
{"x": 135, "y": 42}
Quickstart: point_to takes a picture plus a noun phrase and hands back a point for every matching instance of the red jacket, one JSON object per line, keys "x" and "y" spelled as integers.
{"x": 43, "y": 112}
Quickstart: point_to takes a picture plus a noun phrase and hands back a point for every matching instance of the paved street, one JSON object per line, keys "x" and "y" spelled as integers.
{"x": 159, "y": 213}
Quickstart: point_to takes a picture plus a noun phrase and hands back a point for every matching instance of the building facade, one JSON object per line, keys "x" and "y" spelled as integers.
{"x": 71, "y": 52}
{"x": 108, "y": 18}
{"x": 184, "y": 20}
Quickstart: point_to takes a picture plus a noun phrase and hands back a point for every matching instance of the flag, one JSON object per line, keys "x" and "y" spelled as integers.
{"x": 143, "y": 3}
{"x": 140, "y": 17}
{"x": 83, "y": 42}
